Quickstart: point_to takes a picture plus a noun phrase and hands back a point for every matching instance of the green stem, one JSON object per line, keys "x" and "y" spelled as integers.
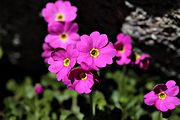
{"x": 92, "y": 106}
{"x": 123, "y": 82}
{"x": 159, "y": 116}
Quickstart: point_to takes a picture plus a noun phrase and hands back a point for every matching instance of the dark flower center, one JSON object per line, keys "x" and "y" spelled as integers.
{"x": 94, "y": 52}
{"x": 59, "y": 17}
{"x": 83, "y": 76}
{"x": 66, "y": 62}
{"x": 121, "y": 48}
{"x": 162, "y": 95}
{"x": 63, "y": 36}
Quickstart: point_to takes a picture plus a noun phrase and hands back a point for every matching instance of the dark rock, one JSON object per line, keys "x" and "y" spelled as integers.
{"x": 157, "y": 35}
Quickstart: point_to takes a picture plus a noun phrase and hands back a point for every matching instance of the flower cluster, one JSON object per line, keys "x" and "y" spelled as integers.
{"x": 64, "y": 48}
{"x": 62, "y": 30}
{"x": 163, "y": 96}
{"x": 127, "y": 55}
{"x": 76, "y": 59}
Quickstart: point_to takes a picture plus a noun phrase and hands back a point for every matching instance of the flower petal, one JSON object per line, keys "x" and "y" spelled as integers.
{"x": 172, "y": 91}
{"x": 55, "y": 66}
{"x": 59, "y": 55}
{"x": 170, "y": 83}
{"x": 101, "y": 41}
{"x": 160, "y": 105}
{"x": 73, "y": 28}
{"x": 55, "y": 28}
{"x": 85, "y": 45}
{"x": 150, "y": 98}
{"x": 86, "y": 58}
{"x": 169, "y": 103}
{"x": 63, "y": 73}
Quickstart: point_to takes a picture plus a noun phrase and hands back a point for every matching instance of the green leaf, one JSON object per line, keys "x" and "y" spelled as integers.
{"x": 99, "y": 100}
{"x": 64, "y": 114}
{"x": 71, "y": 117}
{"x": 29, "y": 92}
{"x": 48, "y": 95}
{"x": 11, "y": 85}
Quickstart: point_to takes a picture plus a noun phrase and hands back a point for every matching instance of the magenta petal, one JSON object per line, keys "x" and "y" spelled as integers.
{"x": 67, "y": 4}
{"x": 150, "y": 98}
{"x": 60, "y": 6}
{"x": 59, "y": 55}
{"x": 46, "y": 54}
{"x": 53, "y": 40}
{"x": 50, "y": 38}
{"x": 169, "y": 103}
{"x": 94, "y": 35}
{"x": 87, "y": 67}
{"x": 108, "y": 50}
{"x": 73, "y": 62}
{"x": 45, "y": 46}
{"x": 120, "y": 36}
{"x": 102, "y": 40}
{"x": 85, "y": 45}
{"x": 55, "y": 28}
{"x": 82, "y": 87}
{"x": 160, "y": 105}
{"x": 86, "y": 58}
{"x": 172, "y": 91}
{"x": 123, "y": 60}
{"x": 102, "y": 60}
{"x": 58, "y": 44}
{"x": 74, "y": 36}
{"x": 74, "y": 28}
{"x": 55, "y": 66}
{"x": 174, "y": 100}
{"x": 67, "y": 26}
{"x": 72, "y": 52}
{"x": 125, "y": 39}
{"x": 48, "y": 12}
{"x": 90, "y": 81}
{"x": 63, "y": 73}
{"x": 66, "y": 81}
{"x": 170, "y": 83}
{"x": 50, "y": 60}
{"x": 70, "y": 16}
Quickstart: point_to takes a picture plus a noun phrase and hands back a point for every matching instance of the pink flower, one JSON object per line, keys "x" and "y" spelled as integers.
{"x": 60, "y": 11}
{"x": 47, "y": 51}
{"x": 124, "y": 49}
{"x": 62, "y": 61}
{"x": 163, "y": 96}
{"x": 143, "y": 60}
{"x": 62, "y": 35}
{"x": 81, "y": 80}
{"x": 38, "y": 88}
{"x": 95, "y": 50}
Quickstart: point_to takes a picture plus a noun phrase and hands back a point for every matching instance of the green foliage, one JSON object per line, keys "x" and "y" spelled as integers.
{"x": 125, "y": 101}
{"x": 26, "y": 104}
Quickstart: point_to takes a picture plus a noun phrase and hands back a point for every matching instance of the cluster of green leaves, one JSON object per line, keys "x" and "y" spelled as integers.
{"x": 26, "y": 104}
{"x": 118, "y": 96}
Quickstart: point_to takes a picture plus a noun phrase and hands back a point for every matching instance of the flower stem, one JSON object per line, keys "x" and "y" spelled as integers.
{"x": 123, "y": 82}
{"x": 92, "y": 107}
{"x": 159, "y": 116}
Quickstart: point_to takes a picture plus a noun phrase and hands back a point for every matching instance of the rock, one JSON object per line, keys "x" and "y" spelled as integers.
{"x": 157, "y": 35}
